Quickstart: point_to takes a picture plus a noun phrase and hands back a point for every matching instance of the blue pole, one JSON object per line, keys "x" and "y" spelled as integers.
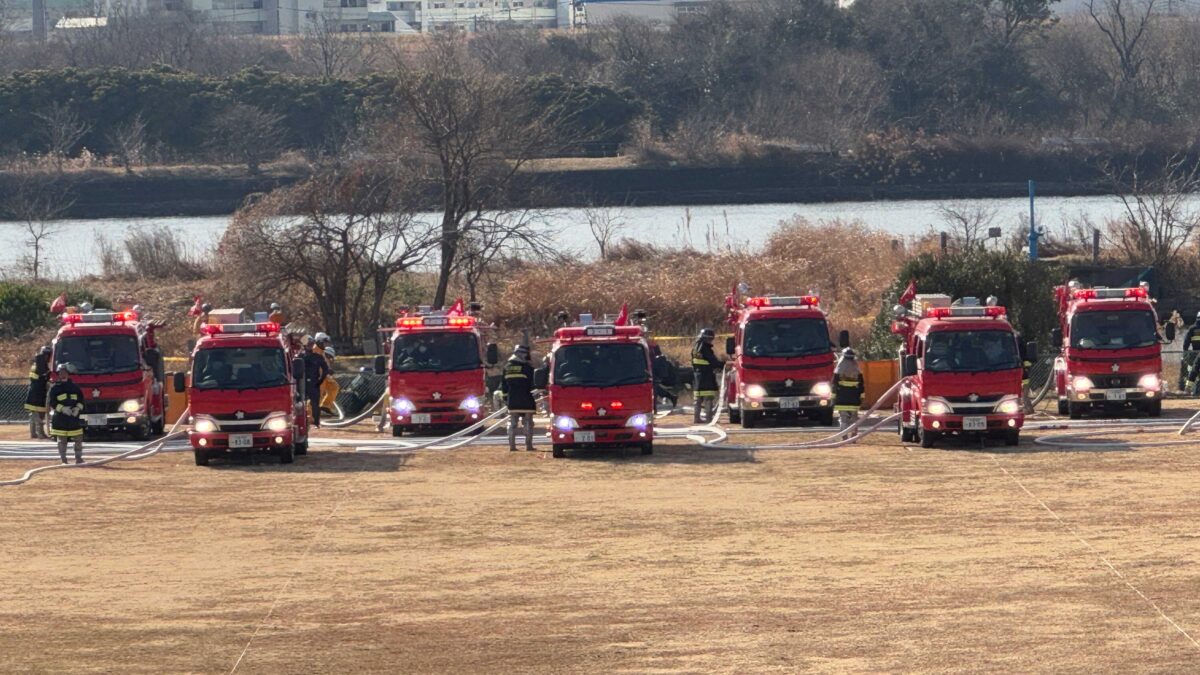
{"x": 1033, "y": 231}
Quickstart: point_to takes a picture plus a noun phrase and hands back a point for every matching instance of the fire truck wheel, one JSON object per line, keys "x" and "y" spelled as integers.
{"x": 827, "y": 418}
{"x": 1012, "y": 437}
{"x": 157, "y": 428}
{"x": 397, "y": 431}
{"x": 1062, "y": 406}
{"x": 302, "y": 448}
{"x": 201, "y": 457}
{"x": 558, "y": 452}
{"x": 750, "y": 419}
{"x": 648, "y": 448}
{"x": 287, "y": 454}
{"x": 1154, "y": 409}
{"x": 927, "y": 438}
{"x": 1075, "y": 411}
{"x": 141, "y": 432}
{"x": 735, "y": 416}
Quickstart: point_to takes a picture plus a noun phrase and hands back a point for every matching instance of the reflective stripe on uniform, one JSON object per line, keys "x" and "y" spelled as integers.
{"x": 700, "y": 362}
{"x": 516, "y": 376}
{"x": 65, "y": 434}
{"x": 847, "y": 383}
{"x": 845, "y": 408}
{"x": 705, "y": 393}
{"x": 35, "y": 408}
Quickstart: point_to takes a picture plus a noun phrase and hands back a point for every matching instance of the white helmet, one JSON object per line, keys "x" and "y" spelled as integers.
{"x": 321, "y": 337}
{"x": 329, "y": 351}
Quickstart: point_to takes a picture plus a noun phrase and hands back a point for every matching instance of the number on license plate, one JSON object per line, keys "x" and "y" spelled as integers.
{"x": 1115, "y": 395}
{"x": 96, "y": 420}
{"x": 789, "y": 402}
{"x": 422, "y": 418}
{"x": 585, "y": 437}
{"x": 241, "y": 441}
{"x": 974, "y": 424}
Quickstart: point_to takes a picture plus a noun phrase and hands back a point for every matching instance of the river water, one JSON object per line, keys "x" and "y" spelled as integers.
{"x": 74, "y": 247}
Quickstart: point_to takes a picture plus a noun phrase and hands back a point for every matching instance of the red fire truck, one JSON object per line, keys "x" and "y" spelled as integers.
{"x": 437, "y": 372}
{"x": 963, "y": 370}
{"x": 119, "y": 368}
{"x": 781, "y": 360}
{"x": 1109, "y": 354}
{"x": 247, "y": 390}
{"x": 600, "y": 388}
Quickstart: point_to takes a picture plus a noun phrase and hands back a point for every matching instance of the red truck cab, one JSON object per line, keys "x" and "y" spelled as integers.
{"x": 436, "y": 368}
{"x": 781, "y": 360}
{"x": 600, "y": 392}
{"x": 962, "y": 371}
{"x": 1109, "y": 351}
{"x": 246, "y": 392}
{"x": 119, "y": 368}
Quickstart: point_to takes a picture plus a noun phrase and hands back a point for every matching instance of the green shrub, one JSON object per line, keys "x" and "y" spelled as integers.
{"x": 26, "y": 308}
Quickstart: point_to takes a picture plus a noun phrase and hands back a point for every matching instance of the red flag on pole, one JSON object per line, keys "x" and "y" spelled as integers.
{"x": 909, "y": 293}
{"x": 623, "y": 317}
{"x": 59, "y": 305}
{"x": 196, "y": 306}
{"x": 456, "y": 309}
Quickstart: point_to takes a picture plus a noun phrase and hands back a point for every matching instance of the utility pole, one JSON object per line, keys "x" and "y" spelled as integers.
{"x": 1033, "y": 230}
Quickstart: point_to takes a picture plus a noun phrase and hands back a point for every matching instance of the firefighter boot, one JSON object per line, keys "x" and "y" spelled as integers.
{"x": 696, "y": 403}
{"x": 512, "y": 432}
{"x": 528, "y": 431}
{"x": 78, "y": 451}
{"x": 62, "y": 449}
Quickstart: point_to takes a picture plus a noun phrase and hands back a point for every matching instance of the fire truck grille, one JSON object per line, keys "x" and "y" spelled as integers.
{"x": 602, "y": 423}
{"x": 97, "y": 407}
{"x": 798, "y": 388}
{"x": 234, "y": 426}
{"x": 1116, "y": 381}
{"x": 233, "y": 416}
{"x": 992, "y": 400}
{"x": 436, "y": 406}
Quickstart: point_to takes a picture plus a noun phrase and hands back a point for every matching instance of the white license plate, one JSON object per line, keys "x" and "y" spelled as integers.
{"x": 422, "y": 418}
{"x": 974, "y": 424}
{"x": 241, "y": 440}
{"x": 96, "y": 420}
{"x": 789, "y": 402}
{"x": 585, "y": 437}
{"x": 1114, "y": 395}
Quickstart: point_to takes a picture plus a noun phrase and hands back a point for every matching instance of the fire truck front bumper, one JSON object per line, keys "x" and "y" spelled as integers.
{"x": 225, "y": 440}
{"x": 601, "y": 437}
{"x": 442, "y": 418}
{"x": 968, "y": 424}
{"x": 118, "y": 422}
{"x": 785, "y": 404}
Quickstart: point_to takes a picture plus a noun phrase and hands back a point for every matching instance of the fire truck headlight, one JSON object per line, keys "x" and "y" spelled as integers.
{"x": 131, "y": 406}
{"x": 469, "y": 403}
{"x": 276, "y": 422}
{"x": 936, "y": 406}
{"x": 402, "y": 406}
{"x": 755, "y": 391}
{"x": 204, "y": 425}
{"x": 640, "y": 420}
{"x": 1009, "y": 405}
{"x": 1150, "y": 382}
{"x": 1081, "y": 383}
{"x": 822, "y": 389}
{"x": 564, "y": 423}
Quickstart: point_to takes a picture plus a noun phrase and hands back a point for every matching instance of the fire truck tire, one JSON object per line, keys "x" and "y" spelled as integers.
{"x": 287, "y": 454}
{"x": 157, "y": 428}
{"x": 927, "y": 438}
{"x": 648, "y": 448}
{"x": 1075, "y": 411}
{"x": 735, "y": 416}
{"x": 1012, "y": 437}
{"x": 302, "y": 448}
{"x": 751, "y": 419}
{"x": 1063, "y": 406}
{"x": 827, "y": 418}
{"x": 558, "y": 452}
{"x": 141, "y": 432}
{"x": 397, "y": 431}
{"x": 201, "y": 457}
{"x": 1154, "y": 409}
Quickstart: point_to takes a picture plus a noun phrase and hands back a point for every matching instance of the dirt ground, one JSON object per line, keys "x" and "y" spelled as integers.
{"x": 877, "y": 557}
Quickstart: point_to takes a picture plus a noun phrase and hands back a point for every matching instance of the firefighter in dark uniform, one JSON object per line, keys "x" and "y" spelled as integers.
{"x": 848, "y": 388}
{"x": 1191, "y": 354}
{"x": 35, "y": 402}
{"x": 705, "y": 367}
{"x": 1026, "y": 367}
{"x": 316, "y": 369}
{"x": 664, "y": 377}
{"x": 66, "y": 399}
{"x": 517, "y": 388}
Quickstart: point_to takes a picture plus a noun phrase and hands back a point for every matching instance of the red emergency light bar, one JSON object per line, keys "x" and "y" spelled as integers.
{"x": 99, "y": 317}
{"x": 1139, "y": 292}
{"x": 599, "y": 331}
{"x": 268, "y": 327}
{"x": 435, "y": 321}
{"x": 946, "y": 312}
{"x": 788, "y": 301}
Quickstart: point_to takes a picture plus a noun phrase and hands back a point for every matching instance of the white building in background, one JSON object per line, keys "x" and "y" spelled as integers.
{"x": 664, "y": 11}
{"x": 269, "y": 17}
{"x": 424, "y": 16}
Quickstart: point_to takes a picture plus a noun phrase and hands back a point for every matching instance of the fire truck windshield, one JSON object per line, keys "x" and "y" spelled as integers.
{"x": 239, "y": 368}
{"x": 786, "y": 337}
{"x": 971, "y": 351}
{"x": 601, "y": 365}
{"x": 435, "y": 352}
{"x": 95, "y": 354}
{"x": 1113, "y": 330}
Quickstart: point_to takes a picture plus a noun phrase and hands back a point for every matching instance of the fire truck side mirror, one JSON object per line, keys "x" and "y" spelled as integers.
{"x": 180, "y": 382}
{"x": 1169, "y": 332}
{"x": 493, "y": 354}
{"x": 730, "y": 346}
{"x": 908, "y": 365}
{"x": 380, "y": 365}
{"x": 298, "y": 369}
{"x": 541, "y": 378}
{"x": 1031, "y": 350}
{"x": 1056, "y": 338}
{"x": 844, "y": 339}
{"x": 154, "y": 361}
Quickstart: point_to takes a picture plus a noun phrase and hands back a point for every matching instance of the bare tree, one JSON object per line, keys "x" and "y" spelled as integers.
{"x": 1016, "y": 18}
{"x": 332, "y": 53}
{"x": 1160, "y": 216}
{"x": 128, "y": 141}
{"x": 1124, "y": 24}
{"x": 35, "y": 204}
{"x": 342, "y": 236}
{"x": 60, "y": 130}
{"x": 497, "y": 237}
{"x": 247, "y": 133}
{"x": 469, "y": 133}
{"x": 605, "y": 225}
{"x": 968, "y": 223}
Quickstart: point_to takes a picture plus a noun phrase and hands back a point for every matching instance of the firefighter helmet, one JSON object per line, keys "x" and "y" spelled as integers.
{"x": 521, "y": 350}
{"x": 848, "y": 353}
{"x": 45, "y": 350}
{"x": 206, "y": 307}
{"x": 275, "y": 306}
{"x": 85, "y": 307}
{"x": 68, "y": 368}
{"x": 707, "y": 334}
{"x": 321, "y": 337}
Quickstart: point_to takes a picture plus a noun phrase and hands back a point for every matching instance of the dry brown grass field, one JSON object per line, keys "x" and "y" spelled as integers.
{"x": 878, "y": 557}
